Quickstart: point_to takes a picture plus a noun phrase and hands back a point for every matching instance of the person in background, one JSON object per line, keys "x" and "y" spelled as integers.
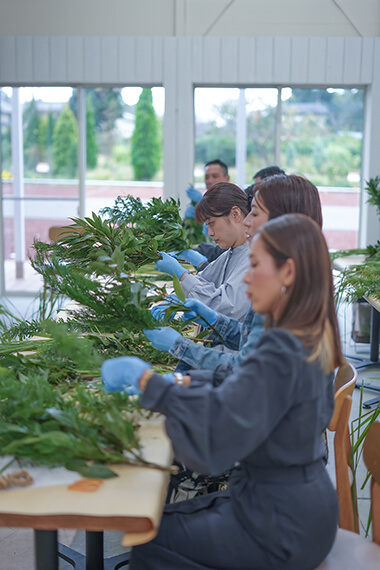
{"x": 223, "y": 208}
{"x": 266, "y": 417}
{"x": 273, "y": 197}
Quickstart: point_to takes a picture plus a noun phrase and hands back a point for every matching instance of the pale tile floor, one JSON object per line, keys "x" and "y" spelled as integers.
{"x": 16, "y": 545}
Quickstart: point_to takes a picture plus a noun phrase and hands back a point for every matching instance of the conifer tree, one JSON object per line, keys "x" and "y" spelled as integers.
{"x": 146, "y": 149}
{"x": 65, "y": 144}
{"x": 91, "y": 146}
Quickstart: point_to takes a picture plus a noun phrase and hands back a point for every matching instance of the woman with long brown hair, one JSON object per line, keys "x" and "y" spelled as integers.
{"x": 266, "y": 416}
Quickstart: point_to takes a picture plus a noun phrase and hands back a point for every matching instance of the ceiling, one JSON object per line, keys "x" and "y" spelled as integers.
{"x": 344, "y": 18}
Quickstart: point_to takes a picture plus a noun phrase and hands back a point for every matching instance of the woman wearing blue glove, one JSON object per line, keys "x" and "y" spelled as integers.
{"x": 273, "y": 197}
{"x": 220, "y": 285}
{"x": 266, "y": 417}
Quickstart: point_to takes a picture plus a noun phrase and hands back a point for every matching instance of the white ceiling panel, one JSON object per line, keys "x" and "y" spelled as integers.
{"x": 356, "y": 18}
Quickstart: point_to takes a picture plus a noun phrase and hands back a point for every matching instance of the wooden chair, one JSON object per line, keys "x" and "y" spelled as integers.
{"x": 345, "y": 381}
{"x": 371, "y": 457}
{"x": 351, "y": 551}
{"x": 58, "y": 232}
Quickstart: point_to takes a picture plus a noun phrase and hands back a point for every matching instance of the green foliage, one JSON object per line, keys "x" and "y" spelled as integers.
{"x": 65, "y": 144}
{"x": 373, "y": 189}
{"x": 82, "y": 429}
{"x": 146, "y": 147}
{"x": 91, "y": 146}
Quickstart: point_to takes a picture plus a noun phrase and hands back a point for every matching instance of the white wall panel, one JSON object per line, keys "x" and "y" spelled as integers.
{"x": 7, "y": 59}
{"x": 91, "y": 60}
{"x": 109, "y": 60}
{"x": 197, "y": 59}
{"x": 264, "y": 60}
{"x": 127, "y": 63}
{"x": 41, "y": 59}
{"x": 58, "y": 59}
{"x": 299, "y": 67}
{"x": 334, "y": 61}
{"x": 352, "y": 60}
{"x": 367, "y": 68}
{"x": 246, "y": 63}
{"x": 229, "y": 60}
{"x": 281, "y": 60}
{"x": 24, "y": 60}
{"x": 211, "y": 60}
{"x": 158, "y": 60}
{"x": 143, "y": 58}
{"x": 75, "y": 63}
{"x": 317, "y": 60}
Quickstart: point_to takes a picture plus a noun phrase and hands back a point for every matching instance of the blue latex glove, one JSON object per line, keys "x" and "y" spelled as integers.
{"x": 199, "y": 310}
{"x": 162, "y": 338}
{"x": 190, "y": 211}
{"x": 193, "y": 194}
{"x": 205, "y": 229}
{"x": 169, "y": 376}
{"x": 194, "y": 257}
{"x": 170, "y": 265}
{"x": 157, "y": 312}
{"x": 123, "y": 373}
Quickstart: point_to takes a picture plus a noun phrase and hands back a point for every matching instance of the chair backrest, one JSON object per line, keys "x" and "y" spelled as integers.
{"x": 371, "y": 457}
{"x": 344, "y": 385}
{"x": 59, "y": 232}
{"x": 345, "y": 381}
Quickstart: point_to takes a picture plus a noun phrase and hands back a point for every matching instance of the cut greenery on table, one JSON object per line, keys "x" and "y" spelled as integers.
{"x": 47, "y": 411}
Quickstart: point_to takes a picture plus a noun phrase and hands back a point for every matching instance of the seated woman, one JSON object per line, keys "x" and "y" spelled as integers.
{"x": 272, "y": 197}
{"x": 266, "y": 416}
{"x": 220, "y": 285}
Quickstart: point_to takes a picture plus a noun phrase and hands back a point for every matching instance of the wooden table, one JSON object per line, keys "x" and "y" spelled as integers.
{"x": 340, "y": 264}
{"x": 132, "y": 502}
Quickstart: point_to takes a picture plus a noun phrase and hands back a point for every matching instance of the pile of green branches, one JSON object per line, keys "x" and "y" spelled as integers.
{"x": 47, "y": 411}
{"x": 82, "y": 429}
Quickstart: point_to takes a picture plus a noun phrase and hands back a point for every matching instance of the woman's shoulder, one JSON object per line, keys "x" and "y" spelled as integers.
{"x": 280, "y": 339}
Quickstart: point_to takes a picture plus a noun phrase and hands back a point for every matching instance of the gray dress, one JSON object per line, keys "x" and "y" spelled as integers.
{"x": 266, "y": 418}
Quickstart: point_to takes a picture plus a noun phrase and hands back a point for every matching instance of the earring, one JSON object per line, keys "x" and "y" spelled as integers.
{"x": 283, "y": 290}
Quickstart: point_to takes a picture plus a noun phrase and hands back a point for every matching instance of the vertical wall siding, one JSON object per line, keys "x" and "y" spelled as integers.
{"x": 180, "y": 63}
{"x": 127, "y": 60}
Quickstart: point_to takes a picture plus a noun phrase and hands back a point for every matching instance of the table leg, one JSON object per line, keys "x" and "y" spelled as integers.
{"x": 46, "y": 549}
{"x": 94, "y": 550}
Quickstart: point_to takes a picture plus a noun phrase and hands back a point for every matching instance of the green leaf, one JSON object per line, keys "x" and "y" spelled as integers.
{"x": 178, "y": 289}
{"x": 92, "y": 470}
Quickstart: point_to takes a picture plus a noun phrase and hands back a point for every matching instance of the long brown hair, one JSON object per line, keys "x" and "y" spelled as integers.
{"x": 310, "y": 311}
{"x": 282, "y": 194}
{"x": 219, "y": 200}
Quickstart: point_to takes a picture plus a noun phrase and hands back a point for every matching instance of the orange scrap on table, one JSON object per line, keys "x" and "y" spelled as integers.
{"x": 86, "y": 485}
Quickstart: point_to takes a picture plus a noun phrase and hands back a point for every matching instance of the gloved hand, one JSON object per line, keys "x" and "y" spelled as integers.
{"x": 205, "y": 229}
{"x": 190, "y": 211}
{"x": 198, "y": 311}
{"x": 194, "y": 257}
{"x": 157, "y": 312}
{"x": 169, "y": 376}
{"x": 169, "y": 265}
{"x": 162, "y": 338}
{"x": 193, "y": 194}
{"x": 123, "y": 373}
